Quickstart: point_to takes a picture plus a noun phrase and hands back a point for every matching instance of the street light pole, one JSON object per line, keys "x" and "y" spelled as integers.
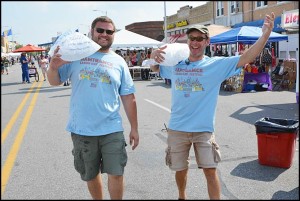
{"x": 101, "y": 11}
{"x": 165, "y": 25}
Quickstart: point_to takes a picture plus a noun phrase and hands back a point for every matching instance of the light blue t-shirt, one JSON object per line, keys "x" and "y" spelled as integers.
{"x": 97, "y": 82}
{"x": 195, "y": 90}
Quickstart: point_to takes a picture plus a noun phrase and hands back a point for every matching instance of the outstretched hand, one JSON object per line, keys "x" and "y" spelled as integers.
{"x": 268, "y": 23}
{"x": 157, "y": 54}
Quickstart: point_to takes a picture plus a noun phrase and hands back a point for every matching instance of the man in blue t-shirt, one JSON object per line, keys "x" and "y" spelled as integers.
{"x": 98, "y": 83}
{"x": 195, "y": 88}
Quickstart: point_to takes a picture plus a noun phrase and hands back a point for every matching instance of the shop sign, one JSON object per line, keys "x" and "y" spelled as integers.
{"x": 170, "y": 26}
{"x": 290, "y": 19}
{"x": 177, "y": 24}
{"x": 182, "y": 23}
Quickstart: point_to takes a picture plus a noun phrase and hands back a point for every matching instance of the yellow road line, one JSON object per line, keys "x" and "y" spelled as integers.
{"x": 16, "y": 115}
{"x": 9, "y": 163}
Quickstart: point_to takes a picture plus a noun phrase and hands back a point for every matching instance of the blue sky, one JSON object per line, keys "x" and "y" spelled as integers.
{"x": 37, "y": 22}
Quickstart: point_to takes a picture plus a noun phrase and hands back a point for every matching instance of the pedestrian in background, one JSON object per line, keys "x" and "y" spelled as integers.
{"x": 94, "y": 120}
{"x": 43, "y": 63}
{"x": 24, "y": 64}
{"x": 195, "y": 86}
{"x": 2, "y": 65}
{"x": 266, "y": 59}
{"x": 5, "y": 65}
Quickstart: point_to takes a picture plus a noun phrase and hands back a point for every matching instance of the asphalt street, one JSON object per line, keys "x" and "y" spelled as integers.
{"x": 36, "y": 159}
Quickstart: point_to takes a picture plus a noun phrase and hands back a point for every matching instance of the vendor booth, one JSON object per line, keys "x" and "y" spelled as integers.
{"x": 258, "y": 78}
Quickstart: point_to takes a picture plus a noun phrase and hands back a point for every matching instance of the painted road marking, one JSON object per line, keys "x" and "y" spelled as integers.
{"x": 9, "y": 163}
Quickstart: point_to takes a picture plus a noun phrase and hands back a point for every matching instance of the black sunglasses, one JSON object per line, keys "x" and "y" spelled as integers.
{"x": 109, "y": 32}
{"x": 198, "y": 39}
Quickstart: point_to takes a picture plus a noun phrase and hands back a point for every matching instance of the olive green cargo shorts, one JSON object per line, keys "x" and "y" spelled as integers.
{"x": 94, "y": 154}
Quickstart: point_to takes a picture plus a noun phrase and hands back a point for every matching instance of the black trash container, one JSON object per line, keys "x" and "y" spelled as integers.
{"x": 276, "y": 140}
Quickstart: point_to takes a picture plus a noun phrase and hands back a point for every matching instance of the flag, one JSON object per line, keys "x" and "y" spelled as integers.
{"x": 7, "y": 33}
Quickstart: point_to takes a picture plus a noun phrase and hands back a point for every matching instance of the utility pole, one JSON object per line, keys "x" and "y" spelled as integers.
{"x": 165, "y": 24}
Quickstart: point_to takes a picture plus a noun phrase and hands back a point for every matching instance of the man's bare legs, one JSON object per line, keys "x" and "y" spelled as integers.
{"x": 213, "y": 183}
{"x": 95, "y": 187}
{"x": 115, "y": 187}
{"x": 181, "y": 180}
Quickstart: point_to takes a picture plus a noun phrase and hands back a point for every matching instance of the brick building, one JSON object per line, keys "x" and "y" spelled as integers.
{"x": 151, "y": 29}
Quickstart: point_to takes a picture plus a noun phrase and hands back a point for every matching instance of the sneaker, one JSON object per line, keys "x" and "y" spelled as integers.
{"x": 23, "y": 82}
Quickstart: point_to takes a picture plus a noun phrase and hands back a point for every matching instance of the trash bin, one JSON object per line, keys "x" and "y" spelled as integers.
{"x": 276, "y": 140}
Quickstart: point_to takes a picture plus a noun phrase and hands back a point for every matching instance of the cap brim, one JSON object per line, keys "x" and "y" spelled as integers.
{"x": 191, "y": 29}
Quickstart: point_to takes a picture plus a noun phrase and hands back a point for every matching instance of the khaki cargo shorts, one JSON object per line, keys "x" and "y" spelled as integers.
{"x": 206, "y": 149}
{"x": 94, "y": 153}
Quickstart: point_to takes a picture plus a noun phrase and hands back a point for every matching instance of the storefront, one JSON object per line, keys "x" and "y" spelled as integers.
{"x": 290, "y": 22}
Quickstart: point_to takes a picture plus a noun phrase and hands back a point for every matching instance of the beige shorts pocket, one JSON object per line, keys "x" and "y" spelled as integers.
{"x": 168, "y": 156}
{"x": 216, "y": 151}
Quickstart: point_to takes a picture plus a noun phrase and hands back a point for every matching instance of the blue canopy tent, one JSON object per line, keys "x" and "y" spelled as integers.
{"x": 245, "y": 35}
{"x": 259, "y": 23}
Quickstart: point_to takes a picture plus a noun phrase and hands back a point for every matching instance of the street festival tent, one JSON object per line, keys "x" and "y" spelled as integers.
{"x": 11, "y": 54}
{"x": 29, "y": 48}
{"x": 245, "y": 35}
{"x": 125, "y": 39}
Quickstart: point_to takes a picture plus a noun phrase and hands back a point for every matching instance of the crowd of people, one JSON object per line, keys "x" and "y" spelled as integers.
{"x": 134, "y": 57}
{"x": 27, "y": 62}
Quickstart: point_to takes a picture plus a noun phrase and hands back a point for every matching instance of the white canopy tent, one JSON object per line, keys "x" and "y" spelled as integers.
{"x": 14, "y": 54}
{"x": 11, "y": 54}
{"x": 125, "y": 39}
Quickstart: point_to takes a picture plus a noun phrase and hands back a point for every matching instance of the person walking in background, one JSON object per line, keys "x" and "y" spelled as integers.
{"x": 266, "y": 60}
{"x": 195, "y": 86}
{"x": 2, "y": 65}
{"x": 5, "y": 65}
{"x": 44, "y": 65}
{"x": 24, "y": 64}
{"x": 94, "y": 120}
{"x": 133, "y": 58}
{"x": 12, "y": 61}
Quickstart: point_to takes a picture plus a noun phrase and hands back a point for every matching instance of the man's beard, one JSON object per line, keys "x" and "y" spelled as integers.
{"x": 103, "y": 47}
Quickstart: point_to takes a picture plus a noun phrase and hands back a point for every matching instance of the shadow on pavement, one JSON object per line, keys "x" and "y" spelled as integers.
{"x": 284, "y": 195}
{"x": 42, "y": 90}
{"x": 158, "y": 83}
{"x": 253, "y": 170}
{"x": 250, "y": 114}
